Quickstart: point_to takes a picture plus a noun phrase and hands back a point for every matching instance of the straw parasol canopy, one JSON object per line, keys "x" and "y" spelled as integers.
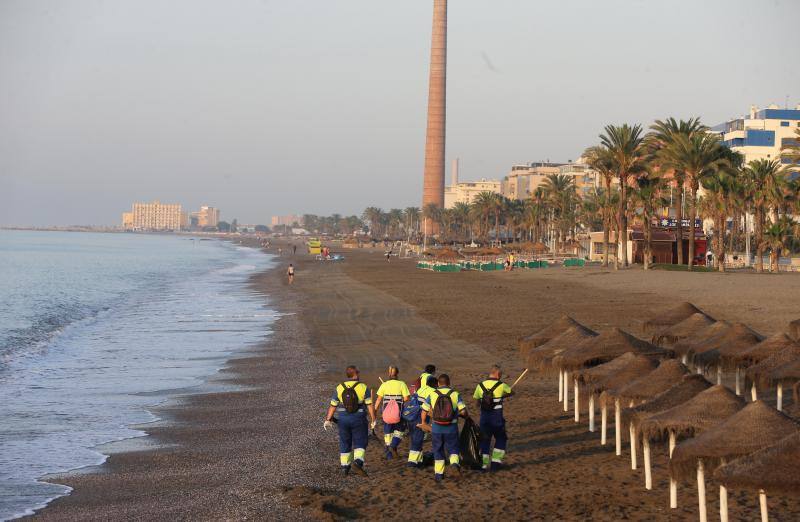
{"x": 722, "y": 350}
{"x": 754, "y": 427}
{"x": 776, "y": 368}
{"x": 605, "y": 347}
{"x": 671, "y": 317}
{"x": 794, "y": 330}
{"x": 773, "y": 469}
{"x": 542, "y": 356}
{"x": 554, "y": 329}
{"x": 702, "y": 338}
{"x": 705, "y": 410}
{"x": 682, "y": 330}
{"x": 647, "y": 386}
{"x": 765, "y": 349}
{"x": 685, "y": 390}
{"x": 624, "y": 368}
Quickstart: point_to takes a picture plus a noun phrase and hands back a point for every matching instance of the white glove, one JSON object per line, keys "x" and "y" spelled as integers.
{"x": 373, "y": 424}
{"x": 327, "y": 424}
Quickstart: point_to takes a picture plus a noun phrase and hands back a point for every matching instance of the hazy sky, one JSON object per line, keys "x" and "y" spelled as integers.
{"x": 278, "y": 106}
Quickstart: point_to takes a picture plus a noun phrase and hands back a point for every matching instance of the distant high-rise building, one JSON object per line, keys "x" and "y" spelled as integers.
{"x": 206, "y": 217}
{"x": 288, "y": 221}
{"x": 155, "y": 216}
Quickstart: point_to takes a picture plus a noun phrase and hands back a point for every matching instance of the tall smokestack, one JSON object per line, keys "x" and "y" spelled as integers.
{"x": 454, "y": 175}
{"x": 433, "y": 185}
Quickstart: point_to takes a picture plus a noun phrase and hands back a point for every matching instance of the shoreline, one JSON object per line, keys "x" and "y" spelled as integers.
{"x": 372, "y": 313}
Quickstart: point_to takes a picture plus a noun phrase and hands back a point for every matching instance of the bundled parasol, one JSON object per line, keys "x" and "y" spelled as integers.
{"x": 754, "y": 427}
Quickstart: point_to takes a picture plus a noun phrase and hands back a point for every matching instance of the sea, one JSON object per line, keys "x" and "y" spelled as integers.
{"x": 95, "y": 329}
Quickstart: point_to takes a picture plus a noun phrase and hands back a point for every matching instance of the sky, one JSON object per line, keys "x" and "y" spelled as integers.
{"x": 271, "y": 107}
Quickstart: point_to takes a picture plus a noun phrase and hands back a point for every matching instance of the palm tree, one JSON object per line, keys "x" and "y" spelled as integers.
{"x": 625, "y": 145}
{"x": 718, "y": 202}
{"x": 764, "y": 179}
{"x": 514, "y": 211}
{"x": 777, "y": 237}
{"x": 601, "y": 160}
{"x": 431, "y": 213}
{"x": 647, "y": 193}
{"x": 663, "y": 133}
{"x": 461, "y": 216}
{"x": 484, "y": 205}
{"x": 559, "y": 190}
{"x": 411, "y": 217}
{"x": 373, "y": 216}
{"x": 697, "y": 155}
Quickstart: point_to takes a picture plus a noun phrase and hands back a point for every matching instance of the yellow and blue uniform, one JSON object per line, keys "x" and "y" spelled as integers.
{"x": 493, "y": 424}
{"x": 417, "y": 435}
{"x": 353, "y": 427}
{"x": 444, "y": 438}
{"x": 393, "y": 389}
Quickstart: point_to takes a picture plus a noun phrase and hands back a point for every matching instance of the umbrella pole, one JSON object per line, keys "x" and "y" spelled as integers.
{"x": 701, "y": 491}
{"x": 754, "y": 393}
{"x": 632, "y": 432}
{"x": 723, "y": 501}
{"x": 577, "y": 403}
{"x": 566, "y": 391}
{"x": 780, "y": 397}
{"x": 648, "y": 472}
{"x": 719, "y": 374}
{"x": 762, "y": 502}
{"x": 591, "y": 412}
{"x": 603, "y": 423}
{"x": 738, "y": 381}
{"x": 561, "y": 386}
{"x": 673, "y": 484}
{"x": 618, "y": 426}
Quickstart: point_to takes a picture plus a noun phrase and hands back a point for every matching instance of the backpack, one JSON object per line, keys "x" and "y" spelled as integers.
{"x": 487, "y": 399}
{"x": 411, "y": 409}
{"x": 391, "y": 412}
{"x": 443, "y": 410}
{"x": 350, "y": 398}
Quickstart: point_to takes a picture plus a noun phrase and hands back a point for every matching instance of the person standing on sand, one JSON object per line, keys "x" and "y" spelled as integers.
{"x": 392, "y": 395}
{"x": 490, "y": 395}
{"x": 352, "y": 400}
{"x": 444, "y": 406}
{"x": 290, "y": 273}
{"x": 294, "y": 249}
{"x": 417, "y": 435}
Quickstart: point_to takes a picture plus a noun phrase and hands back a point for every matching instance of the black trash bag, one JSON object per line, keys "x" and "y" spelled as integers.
{"x": 469, "y": 441}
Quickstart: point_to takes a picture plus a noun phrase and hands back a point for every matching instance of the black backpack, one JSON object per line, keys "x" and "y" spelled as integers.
{"x": 487, "y": 400}
{"x": 350, "y": 398}
{"x": 443, "y": 410}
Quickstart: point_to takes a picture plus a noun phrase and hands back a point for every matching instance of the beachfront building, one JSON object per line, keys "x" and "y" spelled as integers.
{"x": 524, "y": 179}
{"x": 762, "y": 133}
{"x": 466, "y": 191}
{"x": 205, "y": 217}
{"x": 287, "y": 220}
{"x": 586, "y": 179}
{"x": 155, "y": 216}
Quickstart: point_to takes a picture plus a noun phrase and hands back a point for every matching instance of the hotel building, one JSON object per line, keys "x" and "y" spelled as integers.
{"x": 763, "y": 133}
{"x": 465, "y": 191}
{"x": 288, "y": 221}
{"x": 206, "y": 217}
{"x": 155, "y": 216}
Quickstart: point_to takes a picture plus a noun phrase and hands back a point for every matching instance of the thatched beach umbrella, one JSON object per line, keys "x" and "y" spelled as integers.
{"x": 646, "y": 387}
{"x": 701, "y": 338}
{"x": 596, "y": 380}
{"x": 541, "y": 357}
{"x": 547, "y": 333}
{"x": 758, "y": 352}
{"x": 703, "y": 411}
{"x": 779, "y": 369}
{"x": 602, "y": 349}
{"x": 772, "y": 469}
{"x": 720, "y": 351}
{"x": 685, "y": 329}
{"x": 755, "y": 427}
{"x": 671, "y": 317}
{"x": 794, "y": 330}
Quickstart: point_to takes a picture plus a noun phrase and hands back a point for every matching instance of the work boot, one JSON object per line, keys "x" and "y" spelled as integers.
{"x": 456, "y": 469}
{"x": 394, "y": 451}
{"x": 358, "y": 466}
{"x": 389, "y": 454}
{"x": 412, "y": 465}
{"x": 345, "y": 470}
{"x": 496, "y": 466}
{"x": 438, "y": 477}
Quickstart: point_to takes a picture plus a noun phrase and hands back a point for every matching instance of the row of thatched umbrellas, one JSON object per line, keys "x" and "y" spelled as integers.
{"x": 660, "y": 399}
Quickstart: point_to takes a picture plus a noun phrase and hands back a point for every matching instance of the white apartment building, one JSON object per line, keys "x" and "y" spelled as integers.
{"x": 155, "y": 216}
{"x": 465, "y": 191}
{"x": 763, "y": 133}
{"x": 523, "y": 180}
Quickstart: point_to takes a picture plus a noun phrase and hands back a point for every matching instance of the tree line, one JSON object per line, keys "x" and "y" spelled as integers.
{"x": 675, "y": 164}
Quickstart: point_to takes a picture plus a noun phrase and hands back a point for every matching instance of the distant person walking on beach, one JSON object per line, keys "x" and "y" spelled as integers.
{"x": 294, "y": 249}
{"x": 388, "y": 256}
{"x": 280, "y": 251}
{"x": 352, "y": 400}
{"x": 290, "y": 273}
{"x": 444, "y": 406}
{"x": 412, "y": 414}
{"x": 490, "y": 395}
{"x": 392, "y": 396}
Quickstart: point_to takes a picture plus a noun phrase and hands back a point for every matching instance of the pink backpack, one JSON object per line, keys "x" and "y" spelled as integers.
{"x": 391, "y": 412}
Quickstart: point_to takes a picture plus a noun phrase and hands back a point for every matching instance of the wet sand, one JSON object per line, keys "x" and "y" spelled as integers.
{"x": 262, "y": 453}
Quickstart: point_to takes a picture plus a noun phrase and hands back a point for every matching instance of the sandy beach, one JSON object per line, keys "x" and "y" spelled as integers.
{"x": 262, "y": 453}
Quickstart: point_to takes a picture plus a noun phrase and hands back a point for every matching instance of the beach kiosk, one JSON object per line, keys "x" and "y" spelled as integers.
{"x": 314, "y": 246}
